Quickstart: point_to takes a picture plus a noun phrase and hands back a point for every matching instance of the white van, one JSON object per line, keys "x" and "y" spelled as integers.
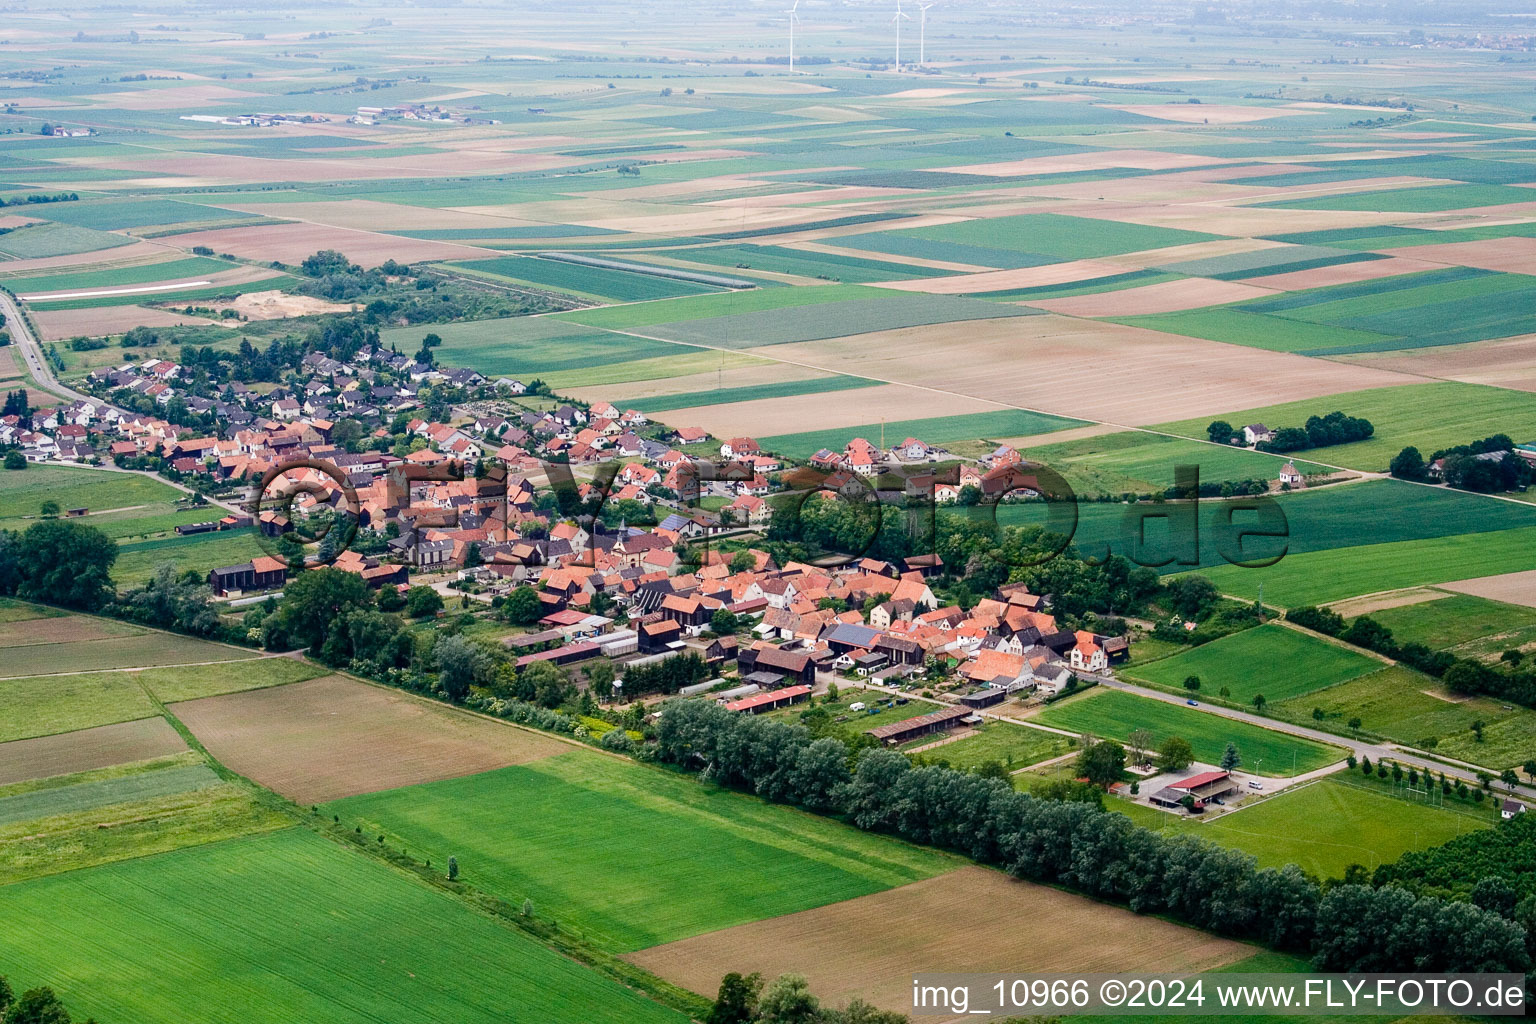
{"x": 1254, "y": 784}
{"x": 858, "y": 706}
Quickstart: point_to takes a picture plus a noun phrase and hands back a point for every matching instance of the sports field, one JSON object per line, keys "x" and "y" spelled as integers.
{"x": 1012, "y": 746}
{"x": 1115, "y": 714}
{"x": 1346, "y": 823}
{"x": 286, "y": 927}
{"x": 1272, "y": 660}
{"x": 544, "y": 831}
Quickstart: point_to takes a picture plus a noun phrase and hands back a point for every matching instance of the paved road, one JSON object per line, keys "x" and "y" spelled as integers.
{"x": 1405, "y": 756}
{"x": 32, "y": 353}
{"x": 37, "y": 366}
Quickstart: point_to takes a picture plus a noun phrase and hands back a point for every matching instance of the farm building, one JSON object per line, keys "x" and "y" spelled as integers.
{"x": 760, "y": 702}
{"x": 562, "y": 655}
{"x": 984, "y": 699}
{"x": 922, "y": 725}
{"x": 787, "y": 665}
{"x": 262, "y": 573}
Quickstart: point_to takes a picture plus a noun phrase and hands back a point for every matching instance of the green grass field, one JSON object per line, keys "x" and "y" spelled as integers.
{"x": 562, "y": 832}
{"x": 831, "y": 320}
{"x": 1409, "y": 707}
{"x": 285, "y": 927}
{"x": 592, "y": 282}
{"x": 1321, "y": 577}
{"x": 938, "y": 430}
{"x": 45, "y": 705}
{"x": 116, "y": 215}
{"x": 1013, "y": 746}
{"x": 1272, "y": 660}
{"x": 1140, "y": 463}
{"x": 803, "y": 262}
{"x": 1428, "y": 416}
{"x": 1116, "y": 714}
{"x": 190, "y": 682}
{"x": 22, "y": 492}
{"x": 1024, "y": 240}
{"x": 531, "y": 346}
{"x": 1324, "y": 827}
{"x": 137, "y": 560}
{"x": 1428, "y": 199}
{"x": 1319, "y": 519}
{"x": 749, "y": 393}
{"x": 120, "y": 277}
{"x": 1457, "y": 619}
{"x": 700, "y": 307}
{"x": 42, "y": 240}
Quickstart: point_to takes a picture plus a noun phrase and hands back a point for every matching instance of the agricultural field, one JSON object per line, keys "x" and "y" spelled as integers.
{"x": 22, "y": 492}
{"x": 542, "y": 830}
{"x": 1085, "y": 235}
{"x": 331, "y": 737}
{"x": 938, "y": 430}
{"x": 1273, "y": 660}
{"x": 141, "y": 939}
{"x": 1141, "y": 463}
{"x": 1347, "y": 823}
{"x": 862, "y": 947}
{"x": 1428, "y": 416}
{"x": 1408, "y": 707}
{"x": 595, "y": 283}
{"x": 1115, "y": 714}
{"x": 1452, "y": 621}
{"x": 1451, "y": 306}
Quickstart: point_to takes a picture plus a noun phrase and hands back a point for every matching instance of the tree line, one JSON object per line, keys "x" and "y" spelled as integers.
{"x": 1346, "y": 927}
{"x": 1317, "y": 432}
{"x": 1507, "y": 681}
{"x": 1464, "y": 470}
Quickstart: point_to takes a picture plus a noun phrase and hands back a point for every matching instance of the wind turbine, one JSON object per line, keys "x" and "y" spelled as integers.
{"x": 793, "y": 18}
{"x": 922, "y": 34}
{"x": 898, "y": 19}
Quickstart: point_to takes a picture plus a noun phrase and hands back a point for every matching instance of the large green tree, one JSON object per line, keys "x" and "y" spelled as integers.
{"x": 737, "y": 1001}
{"x": 1175, "y": 754}
{"x": 1102, "y": 762}
{"x": 66, "y": 563}
{"x": 314, "y": 598}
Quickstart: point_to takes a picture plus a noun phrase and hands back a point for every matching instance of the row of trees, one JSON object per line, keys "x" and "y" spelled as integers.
{"x": 1347, "y": 927}
{"x": 34, "y": 1006}
{"x": 1463, "y": 469}
{"x": 1507, "y": 681}
{"x": 1317, "y": 432}
{"x": 788, "y": 999}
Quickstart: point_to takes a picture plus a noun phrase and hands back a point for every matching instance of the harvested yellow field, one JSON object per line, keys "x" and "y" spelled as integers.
{"x": 1142, "y": 159}
{"x": 970, "y": 920}
{"x": 1381, "y": 602}
{"x": 1511, "y": 588}
{"x": 1507, "y": 363}
{"x": 91, "y": 323}
{"x": 370, "y": 215}
{"x": 1206, "y": 113}
{"x": 1085, "y": 369}
{"x": 1167, "y": 297}
{"x": 291, "y": 243}
{"x": 754, "y": 373}
{"x": 1003, "y": 280}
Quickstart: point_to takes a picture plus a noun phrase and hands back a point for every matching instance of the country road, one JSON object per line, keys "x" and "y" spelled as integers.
{"x": 37, "y": 366}
{"x": 1405, "y": 756}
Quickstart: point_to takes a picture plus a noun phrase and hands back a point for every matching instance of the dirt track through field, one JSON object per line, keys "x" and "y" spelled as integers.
{"x": 333, "y": 737}
{"x": 86, "y": 749}
{"x": 971, "y": 920}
